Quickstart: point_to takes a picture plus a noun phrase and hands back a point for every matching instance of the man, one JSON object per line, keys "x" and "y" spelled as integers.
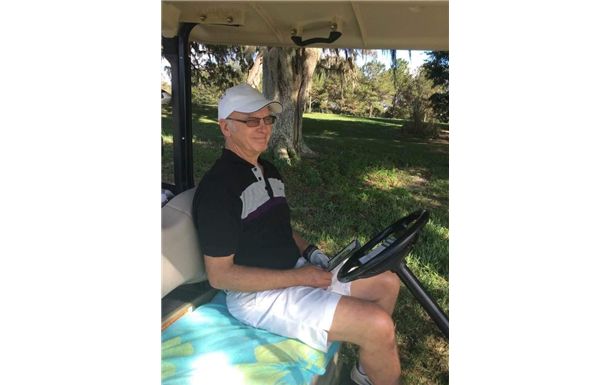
{"x": 273, "y": 278}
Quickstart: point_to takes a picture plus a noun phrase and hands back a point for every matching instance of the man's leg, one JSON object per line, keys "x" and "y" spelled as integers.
{"x": 367, "y": 325}
{"x": 378, "y": 293}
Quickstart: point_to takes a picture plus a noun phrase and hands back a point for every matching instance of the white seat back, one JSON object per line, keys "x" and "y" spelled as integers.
{"x": 182, "y": 261}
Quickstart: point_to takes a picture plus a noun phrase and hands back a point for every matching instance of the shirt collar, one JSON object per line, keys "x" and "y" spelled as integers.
{"x": 231, "y": 156}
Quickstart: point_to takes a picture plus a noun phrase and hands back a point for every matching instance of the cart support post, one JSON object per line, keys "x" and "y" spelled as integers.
{"x": 177, "y": 52}
{"x": 431, "y": 307}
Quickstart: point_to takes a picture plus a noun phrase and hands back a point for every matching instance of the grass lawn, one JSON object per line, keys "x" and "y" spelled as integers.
{"x": 365, "y": 177}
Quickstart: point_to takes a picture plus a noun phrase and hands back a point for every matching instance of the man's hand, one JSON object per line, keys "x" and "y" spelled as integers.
{"x": 311, "y": 275}
{"x": 316, "y": 257}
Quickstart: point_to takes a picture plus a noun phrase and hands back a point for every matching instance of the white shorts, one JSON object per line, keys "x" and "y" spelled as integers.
{"x": 302, "y": 312}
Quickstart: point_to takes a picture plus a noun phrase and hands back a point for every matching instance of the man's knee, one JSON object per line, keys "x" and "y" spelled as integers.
{"x": 380, "y": 328}
{"x": 361, "y": 322}
{"x": 390, "y": 282}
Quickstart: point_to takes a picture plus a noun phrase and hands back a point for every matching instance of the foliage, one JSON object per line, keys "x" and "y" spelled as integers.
{"x": 215, "y": 68}
{"x": 375, "y": 88}
{"x": 372, "y": 90}
{"x": 221, "y": 66}
{"x": 414, "y": 100}
{"x": 338, "y": 74}
{"x": 401, "y": 79}
{"x": 437, "y": 70}
{"x": 341, "y": 88}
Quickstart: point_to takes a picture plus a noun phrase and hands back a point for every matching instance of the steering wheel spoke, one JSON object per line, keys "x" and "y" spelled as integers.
{"x": 385, "y": 250}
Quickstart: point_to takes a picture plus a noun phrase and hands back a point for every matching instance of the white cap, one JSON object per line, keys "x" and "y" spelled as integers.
{"x": 244, "y": 98}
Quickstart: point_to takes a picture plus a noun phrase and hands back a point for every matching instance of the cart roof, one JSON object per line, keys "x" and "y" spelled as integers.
{"x": 416, "y": 25}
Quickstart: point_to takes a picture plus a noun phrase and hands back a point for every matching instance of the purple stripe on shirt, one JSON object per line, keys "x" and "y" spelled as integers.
{"x": 265, "y": 207}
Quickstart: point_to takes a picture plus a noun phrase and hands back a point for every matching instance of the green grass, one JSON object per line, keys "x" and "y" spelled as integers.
{"x": 366, "y": 176}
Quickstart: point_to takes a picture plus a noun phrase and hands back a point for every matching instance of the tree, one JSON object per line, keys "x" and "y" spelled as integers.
{"x": 340, "y": 65}
{"x": 339, "y": 85}
{"x": 401, "y": 80}
{"x": 255, "y": 71}
{"x": 414, "y": 101}
{"x": 318, "y": 94}
{"x": 287, "y": 77}
{"x": 375, "y": 88}
{"x": 436, "y": 68}
{"x": 215, "y": 68}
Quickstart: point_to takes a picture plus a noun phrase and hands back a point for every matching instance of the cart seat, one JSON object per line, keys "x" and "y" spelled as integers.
{"x": 202, "y": 343}
{"x": 182, "y": 262}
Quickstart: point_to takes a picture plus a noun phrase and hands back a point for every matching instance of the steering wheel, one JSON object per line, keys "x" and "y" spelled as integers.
{"x": 386, "y": 250}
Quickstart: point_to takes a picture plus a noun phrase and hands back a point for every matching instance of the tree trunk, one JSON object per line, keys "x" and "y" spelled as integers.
{"x": 287, "y": 77}
{"x": 255, "y": 72}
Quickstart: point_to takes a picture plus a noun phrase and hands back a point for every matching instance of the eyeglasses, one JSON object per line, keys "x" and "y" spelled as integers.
{"x": 254, "y": 122}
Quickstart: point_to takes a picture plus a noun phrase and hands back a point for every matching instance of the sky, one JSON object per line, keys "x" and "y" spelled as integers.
{"x": 417, "y": 58}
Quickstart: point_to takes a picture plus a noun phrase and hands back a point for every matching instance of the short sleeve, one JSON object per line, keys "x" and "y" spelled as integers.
{"x": 217, "y": 218}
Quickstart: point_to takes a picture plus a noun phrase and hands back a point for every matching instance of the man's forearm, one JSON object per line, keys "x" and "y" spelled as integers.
{"x": 246, "y": 278}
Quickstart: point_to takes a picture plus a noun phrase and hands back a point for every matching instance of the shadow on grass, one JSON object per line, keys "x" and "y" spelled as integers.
{"x": 343, "y": 181}
{"x": 350, "y": 129}
{"x": 386, "y": 129}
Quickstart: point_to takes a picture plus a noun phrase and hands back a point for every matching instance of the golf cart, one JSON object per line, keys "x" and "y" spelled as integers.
{"x": 200, "y": 338}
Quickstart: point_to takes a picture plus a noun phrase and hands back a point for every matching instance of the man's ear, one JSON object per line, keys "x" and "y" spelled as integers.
{"x": 224, "y": 127}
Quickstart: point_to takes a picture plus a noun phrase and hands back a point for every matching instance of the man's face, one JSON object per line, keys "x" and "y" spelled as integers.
{"x": 249, "y": 140}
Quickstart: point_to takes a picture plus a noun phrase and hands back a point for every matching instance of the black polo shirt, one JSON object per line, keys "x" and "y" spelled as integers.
{"x": 240, "y": 209}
